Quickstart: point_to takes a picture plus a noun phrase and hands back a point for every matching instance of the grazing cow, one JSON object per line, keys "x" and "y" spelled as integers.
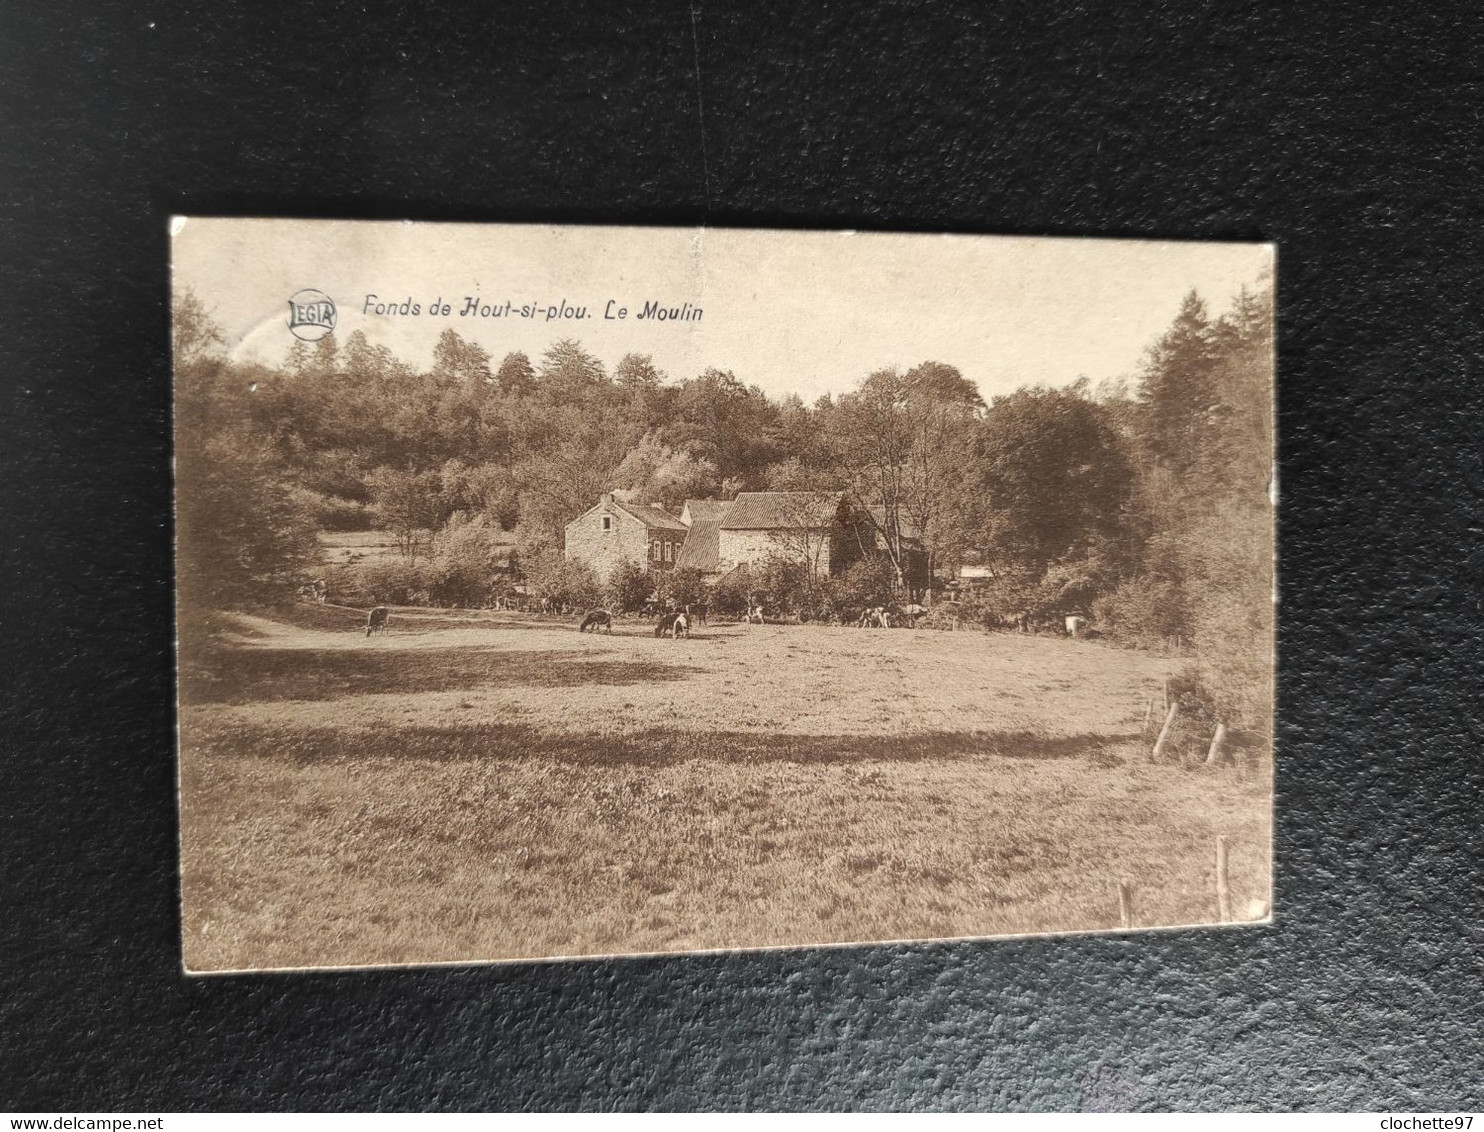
{"x": 874, "y": 617}
{"x": 596, "y": 619}
{"x": 1076, "y": 626}
{"x": 913, "y": 612}
{"x": 754, "y": 612}
{"x": 696, "y": 613}
{"x": 674, "y": 625}
{"x": 377, "y": 619}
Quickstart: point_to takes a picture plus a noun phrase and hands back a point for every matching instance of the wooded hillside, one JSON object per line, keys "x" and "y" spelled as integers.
{"x": 1143, "y": 504}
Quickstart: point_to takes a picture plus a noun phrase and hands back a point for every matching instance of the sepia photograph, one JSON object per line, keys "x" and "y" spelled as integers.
{"x": 548, "y": 592}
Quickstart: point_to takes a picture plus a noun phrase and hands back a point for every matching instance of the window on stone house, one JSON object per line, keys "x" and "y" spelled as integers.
{"x": 668, "y": 548}
{"x": 607, "y": 523}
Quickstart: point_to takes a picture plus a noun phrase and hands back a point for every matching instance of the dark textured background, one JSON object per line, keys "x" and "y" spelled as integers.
{"x": 1348, "y": 136}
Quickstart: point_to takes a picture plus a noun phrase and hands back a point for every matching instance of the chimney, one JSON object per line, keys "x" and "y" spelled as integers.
{"x": 607, "y": 497}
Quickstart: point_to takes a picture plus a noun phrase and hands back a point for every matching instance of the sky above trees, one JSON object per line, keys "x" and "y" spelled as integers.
{"x": 791, "y": 312}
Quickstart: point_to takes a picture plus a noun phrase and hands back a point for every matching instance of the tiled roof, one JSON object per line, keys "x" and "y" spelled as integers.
{"x": 702, "y": 548}
{"x": 650, "y": 516}
{"x": 781, "y": 510}
{"x": 707, "y": 510}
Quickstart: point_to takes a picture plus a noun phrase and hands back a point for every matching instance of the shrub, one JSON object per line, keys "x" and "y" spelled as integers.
{"x": 729, "y": 595}
{"x": 1142, "y": 611}
{"x": 550, "y": 575}
{"x": 337, "y": 514}
{"x": 1228, "y": 567}
{"x": 681, "y": 587}
{"x": 871, "y": 581}
{"x": 463, "y": 569}
{"x": 334, "y": 512}
{"x": 628, "y": 587}
{"x": 580, "y": 587}
{"x": 997, "y": 602}
{"x": 785, "y": 586}
{"x": 944, "y": 615}
{"x": 385, "y": 582}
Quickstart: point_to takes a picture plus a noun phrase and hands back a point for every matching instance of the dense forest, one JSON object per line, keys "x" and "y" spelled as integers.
{"x": 1143, "y": 503}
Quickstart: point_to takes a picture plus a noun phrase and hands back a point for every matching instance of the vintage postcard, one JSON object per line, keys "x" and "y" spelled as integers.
{"x": 572, "y": 591}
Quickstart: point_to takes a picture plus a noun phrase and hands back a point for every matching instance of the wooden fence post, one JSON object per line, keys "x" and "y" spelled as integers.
{"x": 1223, "y": 893}
{"x": 1157, "y": 752}
{"x": 1125, "y": 904}
{"x": 1167, "y": 694}
{"x": 1218, "y": 743}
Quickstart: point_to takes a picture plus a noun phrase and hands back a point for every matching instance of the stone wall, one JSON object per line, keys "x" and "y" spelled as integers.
{"x": 626, "y": 541}
{"x": 755, "y": 547}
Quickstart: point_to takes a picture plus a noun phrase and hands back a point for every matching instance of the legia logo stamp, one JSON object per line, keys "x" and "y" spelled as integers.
{"x": 311, "y": 314}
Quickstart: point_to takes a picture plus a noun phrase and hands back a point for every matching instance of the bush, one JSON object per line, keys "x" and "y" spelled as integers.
{"x": 869, "y": 582}
{"x": 551, "y": 575}
{"x": 786, "y": 586}
{"x": 729, "y": 595}
{"x": 998, "y": 602}
{"x": 782, "y": 586}
{"x": 943, "y": 615}
{"x": 385, "y": 582}
{"x": 332, "y": 512}
{"x": 628, "y": 587}
{"x": 465, "y": 557}
{"x": 1142, "y": 611}
{"x": 1229, "y": 611}
{"x": 680, "y": 587}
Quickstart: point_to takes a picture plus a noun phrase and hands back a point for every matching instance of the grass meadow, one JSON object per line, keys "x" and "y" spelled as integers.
{"x": 497, "y": 786}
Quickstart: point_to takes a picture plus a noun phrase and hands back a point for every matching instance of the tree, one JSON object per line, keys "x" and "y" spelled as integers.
{"x": 560, "y": 580}
{"x": 243, "y": 534}
{"x": 803, "y": 538}
{"x": 1176, "y": 387}
{"x": 940, "y": 493}
{"x": 324, "y": 359}
{"x": 195, "y": 338}
{"x": 637, "y": 371}
{"x": 569, "y": 375}
{"x": 1208, "y": 512}
{"x": 653, "y": 470}
{"x": 571, "y": 458}
{"x": 409, "y": 504}
{"x": 465, "y": 554}
{"x": 481, "y": 489}
{"x": 943, "y": 384}
{"x": 718, "y": 418}
{"x": 457, "y": 361}
{"x": 908, "y": 443}
{"x": 681, "y": 587}
{"x": 1055, "y": 474}
{"x": 515, "y": 377}
{"x": 242, "y": 528}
